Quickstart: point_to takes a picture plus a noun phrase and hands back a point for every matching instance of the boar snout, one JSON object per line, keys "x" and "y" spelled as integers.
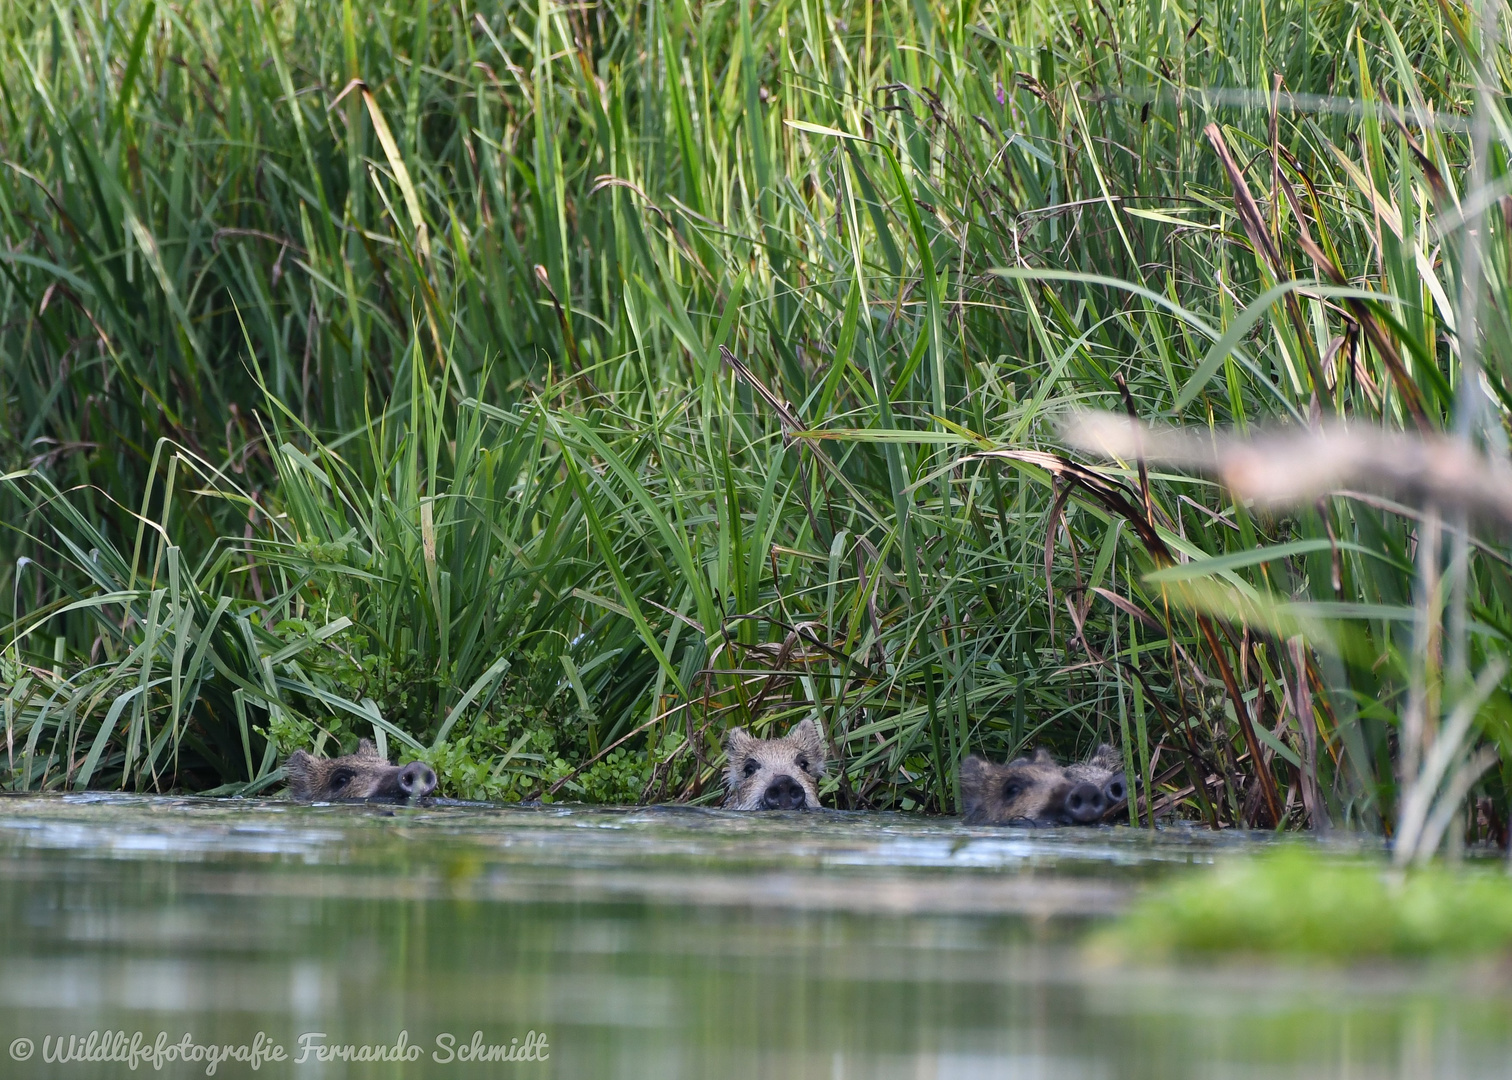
{"x": 417, "y": 780}
{"x": 1115, "y": 791}
{"x": 1085, "y": 803}
{"x": 784, "y": 793}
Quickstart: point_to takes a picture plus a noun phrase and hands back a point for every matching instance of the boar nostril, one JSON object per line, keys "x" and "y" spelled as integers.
{"x": 784, "y": 793}
{"x": 1084, "y": 804}
{"x": 417, "y": 779}
{"x": 1115, "y": 790}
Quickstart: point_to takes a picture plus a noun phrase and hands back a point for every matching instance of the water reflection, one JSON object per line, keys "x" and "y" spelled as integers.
{"x": 666, "y": 943}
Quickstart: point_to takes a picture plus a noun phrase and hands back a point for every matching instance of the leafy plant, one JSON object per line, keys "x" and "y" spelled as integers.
{"x": 1305, "y": 905}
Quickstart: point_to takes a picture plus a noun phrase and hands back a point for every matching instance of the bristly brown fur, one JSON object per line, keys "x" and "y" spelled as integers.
{"x": 1102, "y": 762}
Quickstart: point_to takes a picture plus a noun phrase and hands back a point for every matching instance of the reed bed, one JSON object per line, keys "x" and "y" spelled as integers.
{"x": 544, "y": 389}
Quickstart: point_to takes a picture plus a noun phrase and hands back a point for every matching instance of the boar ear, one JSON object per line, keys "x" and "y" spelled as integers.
{"x": 805, "y": 737}
{"x": 738, "y": 744}
{"x": 365, "y": 748}
{"x": 974, "y": 773}
{"x": 1105, "y": 757}
{"x": 1042, "y": 757}
{"x": 297, "y": 770}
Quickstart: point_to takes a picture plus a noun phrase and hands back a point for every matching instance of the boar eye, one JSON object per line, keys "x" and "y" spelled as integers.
{"x": 750, "y": 767}
{"x": 341, "y": 778}
{"x": 1012, "y": 789}
{"x": 803, "y": 763}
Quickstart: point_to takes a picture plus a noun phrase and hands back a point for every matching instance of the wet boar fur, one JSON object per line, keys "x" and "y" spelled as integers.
{"x": 1036, "y": 791}
{"x": 362, "y": 775}
{"x": 774, "y": 774}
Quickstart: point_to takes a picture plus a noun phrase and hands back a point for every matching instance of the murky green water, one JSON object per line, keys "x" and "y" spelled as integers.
{"x": 655, "y": 943}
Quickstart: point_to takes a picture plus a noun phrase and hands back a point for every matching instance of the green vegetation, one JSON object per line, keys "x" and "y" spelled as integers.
{"x": 360, "y": 373}
{"x": 1303, "y": 904}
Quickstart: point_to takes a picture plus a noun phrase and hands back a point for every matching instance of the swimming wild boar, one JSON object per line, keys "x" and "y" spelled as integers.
{"x": 1029, "y": 791}
{"x": 363, "y": 775}
{"x": 774, "y": 774}
{"x": 1105, "y": 770}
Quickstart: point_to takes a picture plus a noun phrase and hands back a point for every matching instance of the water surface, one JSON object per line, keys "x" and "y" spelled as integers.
{"x": 662, "y": 943}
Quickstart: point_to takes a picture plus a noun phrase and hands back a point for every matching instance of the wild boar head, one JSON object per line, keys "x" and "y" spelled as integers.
{"x": 1027, "y": 791}
{"x": 774, "y": 774}
{"x": 1105, "y": 770}
{"x": 363, "y": 775}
